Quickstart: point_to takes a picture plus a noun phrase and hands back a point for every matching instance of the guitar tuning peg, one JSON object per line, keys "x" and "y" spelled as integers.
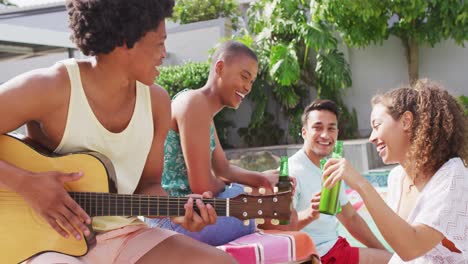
{"x": 275, "y": 189}
{"x": 247, "y": 222}
{"x": 261, "y": 190}
{"x": 247, "y": 189}
{"x": 259, "y": 221}
{"x": 275, "y": 221}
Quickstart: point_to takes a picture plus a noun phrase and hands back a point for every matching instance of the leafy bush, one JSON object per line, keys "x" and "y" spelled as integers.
{"x": 296, "y": 55}
{"x": 193, "y": 76}
{"x": 265, "y": 133}
{"x": 189, "y": 11}
{"x": 463, "y": 100}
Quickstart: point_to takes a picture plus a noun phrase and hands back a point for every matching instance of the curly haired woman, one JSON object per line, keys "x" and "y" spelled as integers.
{"x": 423, "y": 129}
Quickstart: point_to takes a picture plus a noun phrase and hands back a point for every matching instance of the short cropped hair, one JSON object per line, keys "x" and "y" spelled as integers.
{"x": 319, "y": 104}
{"x": 230, "y": 49}
{"x": 99, "y": 26}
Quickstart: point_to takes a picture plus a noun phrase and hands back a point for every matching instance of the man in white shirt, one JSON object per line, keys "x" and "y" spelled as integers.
{"x": 320, "y": 132}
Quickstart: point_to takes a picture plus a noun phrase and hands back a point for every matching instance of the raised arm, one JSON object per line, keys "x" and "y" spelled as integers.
{"x": 408, "y": 241}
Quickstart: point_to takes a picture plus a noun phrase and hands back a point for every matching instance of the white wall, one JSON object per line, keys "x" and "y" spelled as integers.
{"x": 192, "y": 42}
{"x": 380, "y": 68}
{"x": 57, "y": 21}
{"x": 12, "y": 68}
{"x": 448, "y": 64}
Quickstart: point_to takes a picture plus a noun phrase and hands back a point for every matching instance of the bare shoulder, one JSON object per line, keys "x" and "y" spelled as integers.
{"x": 39, "y": 91}
{"x": 160, "y": 99}
{"x": 50, "y": 79}
{"x": 160, "y": 104}
{"x": 191, "y": 103}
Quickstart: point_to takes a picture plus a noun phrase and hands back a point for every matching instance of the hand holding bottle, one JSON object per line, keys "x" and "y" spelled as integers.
{"x": 341, "y": 169}
{"x": 329, "y": 201}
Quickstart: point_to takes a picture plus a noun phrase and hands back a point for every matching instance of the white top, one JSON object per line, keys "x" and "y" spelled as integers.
{"x": 323, "y": 231}
{"x": 442, "y": 205}
{"x": 127, "y": 150}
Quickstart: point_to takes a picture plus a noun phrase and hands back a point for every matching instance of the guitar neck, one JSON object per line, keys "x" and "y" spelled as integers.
{"x": 111, "y": 204}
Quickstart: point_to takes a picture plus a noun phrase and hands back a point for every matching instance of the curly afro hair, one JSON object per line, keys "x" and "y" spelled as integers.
{"x": 99, "y": 26}
{"x": 439, "y": 130}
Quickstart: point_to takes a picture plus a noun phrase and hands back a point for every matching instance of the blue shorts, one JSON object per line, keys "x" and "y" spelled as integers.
{"x": 225, "y": 230}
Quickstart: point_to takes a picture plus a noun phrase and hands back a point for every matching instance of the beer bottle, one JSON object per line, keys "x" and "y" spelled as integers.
{"x": 329, "y": 199}
{"x": 284, "y": 184}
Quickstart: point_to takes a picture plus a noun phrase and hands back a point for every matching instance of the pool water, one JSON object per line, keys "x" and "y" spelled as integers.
{"x": 379, "y": 180}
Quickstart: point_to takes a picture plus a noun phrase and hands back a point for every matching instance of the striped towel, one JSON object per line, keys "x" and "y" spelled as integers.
{"x": 271, "y": 246}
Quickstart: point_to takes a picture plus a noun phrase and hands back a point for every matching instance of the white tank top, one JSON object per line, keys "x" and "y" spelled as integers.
{"x": 128, "y": 150}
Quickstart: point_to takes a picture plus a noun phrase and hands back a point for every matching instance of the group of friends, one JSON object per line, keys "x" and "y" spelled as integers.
{"x": 158, "y": 146}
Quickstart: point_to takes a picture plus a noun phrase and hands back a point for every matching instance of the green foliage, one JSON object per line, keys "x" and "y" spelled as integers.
{"x": 189, "y": 11}
{"x": 193, "y": 76}
{"x": 415, "y": 22}
{"x": 264, "y": 133}
{"x": 463, "y": 100}
{"x": 284, "y": 64}
{"x": 295, "y": 55}
{"x": 6, "y": 3}
{"x": 371, "y": 21}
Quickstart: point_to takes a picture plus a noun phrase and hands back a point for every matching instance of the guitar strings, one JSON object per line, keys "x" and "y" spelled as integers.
{"x": 98, "y": 203}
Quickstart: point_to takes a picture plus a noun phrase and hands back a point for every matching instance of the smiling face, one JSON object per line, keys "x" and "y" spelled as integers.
{"x": 236, "y": 77}
{"x": 147, "y": 55}
{"x": 390, "y": 136}
{"x": 320, "y": 133}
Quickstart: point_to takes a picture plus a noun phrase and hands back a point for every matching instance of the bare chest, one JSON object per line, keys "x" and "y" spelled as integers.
{"x": 114, "y": 117}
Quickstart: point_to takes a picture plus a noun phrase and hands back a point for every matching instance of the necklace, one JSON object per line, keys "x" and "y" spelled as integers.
{"x": 411, "y": 184}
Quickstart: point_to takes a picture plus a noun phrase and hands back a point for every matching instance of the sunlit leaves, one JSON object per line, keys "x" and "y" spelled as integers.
{"x": 370, "y": 21}
{"x": 189, "y": 11}
{"x": 287, "y": 41}
{"x": 329, "y": 71}
{"x": 317, "y": 37}
{"x": 284, "y": 66}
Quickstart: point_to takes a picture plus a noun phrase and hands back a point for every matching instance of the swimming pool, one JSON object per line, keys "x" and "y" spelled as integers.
{"x": 379, "y": 180}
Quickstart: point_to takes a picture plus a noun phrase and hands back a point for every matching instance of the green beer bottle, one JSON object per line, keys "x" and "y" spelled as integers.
{"x": 284, "y": 184}
{"x": 329, "y": 199}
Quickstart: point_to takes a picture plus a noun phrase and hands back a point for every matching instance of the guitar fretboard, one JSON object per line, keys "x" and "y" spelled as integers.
{"x": 111, "y": 204}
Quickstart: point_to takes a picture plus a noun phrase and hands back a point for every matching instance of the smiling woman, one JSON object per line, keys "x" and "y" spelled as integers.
{"x": 427, "y": 195}
{"x": 194, "y": 160}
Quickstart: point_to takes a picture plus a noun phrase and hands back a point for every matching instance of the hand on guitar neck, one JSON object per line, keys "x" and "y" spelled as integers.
{"x": 195, "y": 218}
{"x": 68, "y": 200}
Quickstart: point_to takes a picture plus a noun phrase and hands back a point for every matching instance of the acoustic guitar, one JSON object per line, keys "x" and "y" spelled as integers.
{"x": 25, "y": 234}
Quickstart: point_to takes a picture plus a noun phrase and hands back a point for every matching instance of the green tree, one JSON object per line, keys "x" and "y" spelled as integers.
{"x": 415, "y": 22}
{"x": 189, "y": 11}
{"x": 463, "y": 100}
{"x": 295, "y": 55}
{"x": 6, "y": 2}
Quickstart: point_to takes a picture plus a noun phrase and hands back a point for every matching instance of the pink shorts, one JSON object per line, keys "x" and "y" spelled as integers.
{"x": 341, "y": 252}
{"x": 124, "y": 245}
